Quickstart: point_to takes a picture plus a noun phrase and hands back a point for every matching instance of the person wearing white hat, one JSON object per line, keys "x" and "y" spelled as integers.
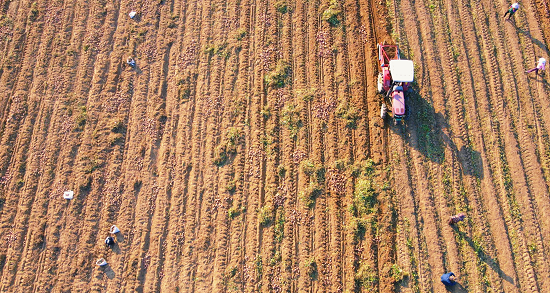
{"x": 130, "y": 61}
{"x": 540, "y": 66}
{"x": 512, "y": 9}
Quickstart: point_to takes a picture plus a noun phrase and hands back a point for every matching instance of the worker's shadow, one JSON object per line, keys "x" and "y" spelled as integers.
{"x": 136, "y": 69}
{"x": 543, "y": 81}
{"x": 540, "y": 78}
{"x": 456, "y": 288}
{"x": 119, "y": 237}
{"x": 107, "y": 271}
{"x": 534, "y": 40}
{"x": 115, "y": 248}
{"x": 484, "y": 257}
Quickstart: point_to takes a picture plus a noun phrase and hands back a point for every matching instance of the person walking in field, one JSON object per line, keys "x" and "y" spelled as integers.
{"x": 540, "y": 66}
{"x": 456, "y": 218}
{"x": 511, "y": 10}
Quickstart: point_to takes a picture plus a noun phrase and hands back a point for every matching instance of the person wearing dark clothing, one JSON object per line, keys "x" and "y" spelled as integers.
{"x": 511, "y": 10}
{"x": 448, "y": 279}
{"x": 109, "y": 242}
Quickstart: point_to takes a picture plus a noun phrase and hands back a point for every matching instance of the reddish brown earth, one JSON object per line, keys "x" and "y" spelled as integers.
{"x": 245, "y": 153}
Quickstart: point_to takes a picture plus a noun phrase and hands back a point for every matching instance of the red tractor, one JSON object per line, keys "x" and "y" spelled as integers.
{"x": 393, "y": 80}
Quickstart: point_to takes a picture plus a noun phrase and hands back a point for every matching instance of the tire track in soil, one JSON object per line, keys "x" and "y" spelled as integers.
{"x": 52, "y": 253}
{"x": 183, "y": 66}
{"x": 456, "y": 109}
{"x": 497, "y": 222}
{"x": 539, "y": 11}
{"x": 235, "y": 254}
{"x": 497, "y": 247}
{"x": 445, "y": 233}
{"x": 526, "y": 119}
{"x": 9, "y": 81}
{"x": 274, "y": 99}
{"x": 110, "y": 63}
{"x": 513, "y": 146}
{"x": 363, "y": 253}
{"x": 35, "y": 236}
{"x": 420, "y": 199}
{"x": 221, "y": 200}
{"x": 96, "y": 201}
{"x": 14, "y": 142}
{"x": 537, "y": 195}
{"x": 480, "y": 106}
{"x": 146, "y": 130}
{"x": 346, "y": 140}
{"x": 497, "y": 92}
{"x": 534, "y": 48}
{"x": 254, "y": 155}
{"x": 369, "y": 138}
{"x": 227, "y": 173}
{"x": 325, "y": 153}
{"x": 384, "y": 240}
{"x": 328, "y": 72}
{"x": 30, "y": 200}
{"x": 161, "y": 161}
{"x": 298, "y": 53}
{"x": 308, "y": 147}
{"x": 201, "y": 202}
{"x": 277, "y": 243}
{"x": 454, "y": 258}
{"x": 353, "y": 90}
{"x": 190, "y": 159}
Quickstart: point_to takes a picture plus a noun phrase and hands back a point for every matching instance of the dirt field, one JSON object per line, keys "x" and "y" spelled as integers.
{"x": 245, "y": 152}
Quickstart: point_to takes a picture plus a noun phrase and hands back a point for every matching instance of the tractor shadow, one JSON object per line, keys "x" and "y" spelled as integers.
{"x": 470, "y": 159}
{"x": 426, "y": 131}
{"x": 484, "y": 257}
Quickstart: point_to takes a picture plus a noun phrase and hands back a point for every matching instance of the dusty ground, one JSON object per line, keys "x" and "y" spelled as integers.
{"x": 246, "y": 153}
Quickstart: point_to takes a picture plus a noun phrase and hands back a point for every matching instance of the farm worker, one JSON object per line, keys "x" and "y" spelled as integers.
{"x": 130, "y": 61}
{"x": 114, "y": 229}
{"x": 457, "y": 218}
{"x": 109, "y": 241}
{"x": 512, "y": 9}
{"x": 449, "y": 279}
{"x": 540, "y": 66}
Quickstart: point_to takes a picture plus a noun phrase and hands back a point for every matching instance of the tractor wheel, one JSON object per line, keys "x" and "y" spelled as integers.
{"x": 380, "y": 83}
{"x": 383, "y": 111}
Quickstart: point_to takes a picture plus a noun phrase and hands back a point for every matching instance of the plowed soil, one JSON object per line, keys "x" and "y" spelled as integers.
{"x": 245, "y": 151}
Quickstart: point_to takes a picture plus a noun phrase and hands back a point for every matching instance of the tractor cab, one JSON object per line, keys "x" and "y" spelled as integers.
{"x": 402, "y": 72}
